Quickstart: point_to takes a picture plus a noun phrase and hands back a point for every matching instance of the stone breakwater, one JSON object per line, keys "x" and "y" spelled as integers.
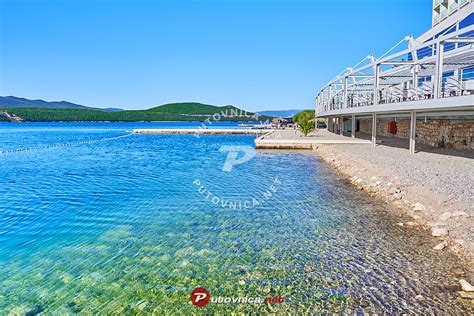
{"x": 447, "y": 216}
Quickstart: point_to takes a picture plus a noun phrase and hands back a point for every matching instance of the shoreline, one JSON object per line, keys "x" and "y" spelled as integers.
{"x": 448, "y": 220}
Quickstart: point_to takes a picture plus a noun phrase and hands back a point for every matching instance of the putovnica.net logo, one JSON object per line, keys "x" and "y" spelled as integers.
{"x": 237, "y": 155}
{"x": 201, "y": 297}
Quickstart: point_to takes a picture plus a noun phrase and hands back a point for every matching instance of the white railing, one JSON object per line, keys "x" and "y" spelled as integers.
{"x": 403, "y": 87}
{"x": 453, "y": 7}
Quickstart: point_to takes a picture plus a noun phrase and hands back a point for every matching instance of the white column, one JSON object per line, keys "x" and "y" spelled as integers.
{"x": 412, "y": 132}
{"x": 329, "y": 97}
{"x": 341, "y": 125}
{"x": 376, "y": 84}
{"x": 415, "y": 76}
{"x": 438, "y": 80}
{"x": 344, "y": 94}
{"x": 374, "y": 129}
{"x": 353, "y": 127}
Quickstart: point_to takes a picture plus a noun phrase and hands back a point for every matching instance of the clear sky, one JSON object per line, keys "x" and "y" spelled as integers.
{"x": 134, "y": 54}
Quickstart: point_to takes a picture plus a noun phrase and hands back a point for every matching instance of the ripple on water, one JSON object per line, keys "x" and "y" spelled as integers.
{"x": 119, "y": 227}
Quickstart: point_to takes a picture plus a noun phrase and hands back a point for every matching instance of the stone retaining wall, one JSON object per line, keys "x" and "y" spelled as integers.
{"x": 444, "y": 133}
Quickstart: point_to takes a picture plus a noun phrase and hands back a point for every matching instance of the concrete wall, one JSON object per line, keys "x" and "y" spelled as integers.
{"x": 437, "y": 132}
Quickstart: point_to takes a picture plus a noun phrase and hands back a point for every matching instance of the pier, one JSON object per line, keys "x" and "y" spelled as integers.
{"x": 200, "y": 131}
{"x": 294, "y": 139}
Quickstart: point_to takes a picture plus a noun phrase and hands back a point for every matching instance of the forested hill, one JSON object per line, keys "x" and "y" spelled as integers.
{"x": 168, "y": 112}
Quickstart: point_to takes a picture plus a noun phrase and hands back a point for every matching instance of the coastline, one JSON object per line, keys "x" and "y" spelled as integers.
{"x": 448, "y": 219}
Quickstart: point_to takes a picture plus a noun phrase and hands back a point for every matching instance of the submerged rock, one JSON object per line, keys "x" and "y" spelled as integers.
{"x": 466, "y": 286}
{"x": 441, "y": 246}
{"x": 445, "y": 216}
{"x": 467, "y": 294}
{"x": 440, "y": 232}
{"x": 419, "y": 207}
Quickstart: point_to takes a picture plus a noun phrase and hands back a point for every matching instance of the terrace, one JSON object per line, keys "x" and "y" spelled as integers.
{"x": 437, "y": 75}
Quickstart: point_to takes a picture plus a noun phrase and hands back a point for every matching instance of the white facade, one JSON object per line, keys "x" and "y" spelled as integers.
{"x": 442, "y": 9}
{"x": 434, "y": 72}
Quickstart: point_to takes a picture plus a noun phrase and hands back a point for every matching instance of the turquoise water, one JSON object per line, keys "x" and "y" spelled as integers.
{"x": 92, "y": 222}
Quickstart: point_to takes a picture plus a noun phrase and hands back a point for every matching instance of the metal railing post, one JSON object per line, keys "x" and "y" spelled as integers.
{"x": 438, "y": 82}
{"x": 376, "y": 84}
{"x": 344, "y": 94}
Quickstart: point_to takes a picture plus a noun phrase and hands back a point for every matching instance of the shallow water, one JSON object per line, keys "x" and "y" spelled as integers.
{"x": 121, "y": 226}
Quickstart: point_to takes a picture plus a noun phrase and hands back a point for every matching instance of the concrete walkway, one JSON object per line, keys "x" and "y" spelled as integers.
{"x": 294, "y": 139}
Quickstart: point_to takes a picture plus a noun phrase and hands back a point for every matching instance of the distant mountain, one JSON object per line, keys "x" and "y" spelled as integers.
{"x": 169, "y": 112}
{"x": 282, "y": 114}
{"x": 10, "y": 101}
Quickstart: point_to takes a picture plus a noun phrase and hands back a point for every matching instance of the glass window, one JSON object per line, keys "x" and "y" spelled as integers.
{"x": 468, "y": 73}
{"x": 448, "y": 74}
{"x": 423, "y": 80}
{"x": 469, "y": 20}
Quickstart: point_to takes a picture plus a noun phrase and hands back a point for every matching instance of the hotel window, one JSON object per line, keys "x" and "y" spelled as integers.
{"x": 468, "y": 73}
{"x": 448, "y": 74}
{"x": 469, "y": 20}
{"x": 423, "y": 80}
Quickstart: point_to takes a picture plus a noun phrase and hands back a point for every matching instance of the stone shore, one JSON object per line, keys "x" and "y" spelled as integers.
{"x": 437, "y": 191}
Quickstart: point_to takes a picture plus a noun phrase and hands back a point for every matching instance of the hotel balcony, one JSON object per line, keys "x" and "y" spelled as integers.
{"x": 426, "y": 77}
{"x": 404, "y": 82}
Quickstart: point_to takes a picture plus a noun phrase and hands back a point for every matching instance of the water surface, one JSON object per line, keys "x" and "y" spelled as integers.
{"x": 120, "y": 226}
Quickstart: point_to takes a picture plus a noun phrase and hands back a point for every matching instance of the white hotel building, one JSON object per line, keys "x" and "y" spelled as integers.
{"x": 422, "y": 90}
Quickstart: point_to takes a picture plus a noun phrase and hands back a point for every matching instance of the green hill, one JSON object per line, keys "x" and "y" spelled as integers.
{"x": 167, "y": 112}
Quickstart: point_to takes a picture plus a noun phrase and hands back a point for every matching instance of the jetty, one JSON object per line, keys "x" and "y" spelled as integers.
{"x": 200, "y": 131}
{"x": 294, "y": 139}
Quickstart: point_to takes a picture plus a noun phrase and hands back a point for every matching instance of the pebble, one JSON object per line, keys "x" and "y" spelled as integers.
{"x": 445, "y": 216}
{"x": 466, "y": 286}
{"x": 419, "y": 207}
{"x": 241, "y": 282}
{"x": 440, "y": 232}
{"x": 441, "y": 245}
{"x": 467, "y": 295}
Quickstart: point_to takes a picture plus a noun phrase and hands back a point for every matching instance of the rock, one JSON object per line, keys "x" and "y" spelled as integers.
{"x": 419, "y": 207}
{"x": 466, "y": 286}
{"x": 459, "y": 213}
{"x": 445, "y": 216}
{"x": 411, "y": 223}
{"x": 457, "y": 271}
{"x": 400, "y": 224}
{"x": 419, "y": 297}
{"x": 466, "y": 294}
{"x": 441, "y": 246}
{"x": 439, "y": 232}
{"x": 241, "y": 282}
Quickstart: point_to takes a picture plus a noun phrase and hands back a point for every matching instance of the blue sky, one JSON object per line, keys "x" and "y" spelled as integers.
{"x": 255, "y": 54}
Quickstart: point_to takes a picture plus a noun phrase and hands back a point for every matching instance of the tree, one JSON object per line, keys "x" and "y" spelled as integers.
{"x": 306, "y": 121}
